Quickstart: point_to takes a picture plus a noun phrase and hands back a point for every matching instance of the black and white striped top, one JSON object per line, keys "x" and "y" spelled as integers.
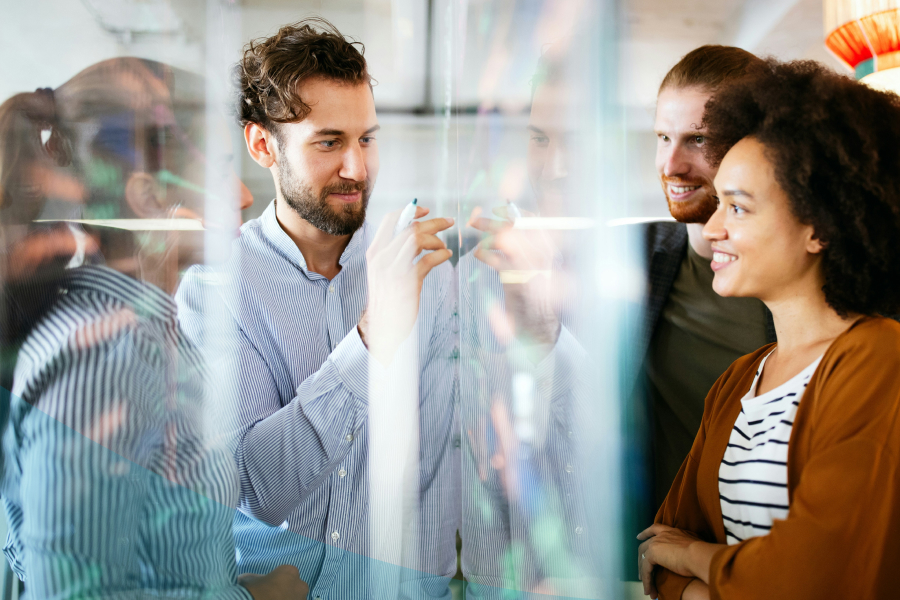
{"x": 753, "y": 474}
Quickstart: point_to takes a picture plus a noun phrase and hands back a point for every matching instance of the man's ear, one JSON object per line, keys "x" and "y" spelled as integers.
{"x": 260, "y": 144}
{"x": 143, "y": 197}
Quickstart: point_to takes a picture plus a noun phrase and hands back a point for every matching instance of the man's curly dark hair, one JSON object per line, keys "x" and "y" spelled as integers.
{"x": 271, "y": 70}
{"x": 834, "y": 144}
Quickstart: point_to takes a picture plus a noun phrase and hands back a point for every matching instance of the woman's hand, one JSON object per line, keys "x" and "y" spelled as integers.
{"x": 678, "y": 551}
{"x": 696, "y": 590}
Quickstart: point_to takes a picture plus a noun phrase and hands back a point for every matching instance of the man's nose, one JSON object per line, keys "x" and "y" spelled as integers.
{"x": 675, "y": 164}
{"x": 558, "y": 163}
{"x": 354, "y": 164}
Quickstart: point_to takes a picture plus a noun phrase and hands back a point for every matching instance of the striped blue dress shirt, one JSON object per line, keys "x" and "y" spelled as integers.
{"x": 299, "y": 401}
{"x": 524, "y": 523}
{"x": 113, "y": 487}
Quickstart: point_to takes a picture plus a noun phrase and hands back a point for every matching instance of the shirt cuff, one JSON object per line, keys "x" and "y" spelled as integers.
{"x": 351, "y": 361}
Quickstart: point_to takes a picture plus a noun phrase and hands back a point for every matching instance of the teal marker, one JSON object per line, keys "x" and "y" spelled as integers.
{"x": 406, "y": 217}
{"x": 512, "y": 211}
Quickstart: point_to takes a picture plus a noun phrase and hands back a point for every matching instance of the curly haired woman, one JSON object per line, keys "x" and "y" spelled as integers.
{"x": 792, "y": 486}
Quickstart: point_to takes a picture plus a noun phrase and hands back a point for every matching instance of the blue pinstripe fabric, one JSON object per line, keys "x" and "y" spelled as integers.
{"x": 299, "y": 408}
{"x": 523, "y": 524}
{"x": 113, "y": 488}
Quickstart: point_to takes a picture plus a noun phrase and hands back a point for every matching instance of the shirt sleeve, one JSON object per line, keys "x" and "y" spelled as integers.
{"x": 283, "y": 451}
{"x": 839, "y": 539}
{"x": 502, "y": 534}
{"x": 438, "y": 469}
{"x": 101, "y": 516}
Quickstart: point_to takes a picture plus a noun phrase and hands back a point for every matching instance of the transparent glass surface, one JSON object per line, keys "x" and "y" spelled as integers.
{"x": 190, "y": 405}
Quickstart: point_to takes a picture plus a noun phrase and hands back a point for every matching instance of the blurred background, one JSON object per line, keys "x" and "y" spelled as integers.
{"x": 494, "y": 52}
{"x": 453, "y": 94}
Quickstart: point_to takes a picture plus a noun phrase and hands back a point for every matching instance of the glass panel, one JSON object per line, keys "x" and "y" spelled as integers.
{"x": 204, "y": 384}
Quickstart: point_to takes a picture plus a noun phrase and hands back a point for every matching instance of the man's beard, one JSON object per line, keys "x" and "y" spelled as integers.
{"x": 695, "y": 210}
{"x": 316, "y": 211}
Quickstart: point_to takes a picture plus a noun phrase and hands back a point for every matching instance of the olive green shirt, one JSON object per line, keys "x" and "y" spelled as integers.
{"x": 698, "y": 336}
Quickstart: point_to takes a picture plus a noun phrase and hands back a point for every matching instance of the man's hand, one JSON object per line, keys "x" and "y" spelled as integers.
{"x": 283, "y": 583}
{"x": 524, "y": 260}
{"x": 395, "y": 280}
{"x": 677, "y": 550}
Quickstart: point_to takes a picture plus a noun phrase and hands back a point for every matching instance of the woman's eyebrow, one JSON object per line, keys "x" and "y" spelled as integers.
{"x": 737, "y": 193}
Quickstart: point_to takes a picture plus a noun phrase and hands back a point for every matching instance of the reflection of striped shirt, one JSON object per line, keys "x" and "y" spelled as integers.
{"x": 523, "y": 522}
{"x": 113, "y": 488}
{"x": 753, "y": 474}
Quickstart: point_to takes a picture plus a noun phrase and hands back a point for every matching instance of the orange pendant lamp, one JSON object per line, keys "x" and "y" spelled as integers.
{"x": 865, "y": 35}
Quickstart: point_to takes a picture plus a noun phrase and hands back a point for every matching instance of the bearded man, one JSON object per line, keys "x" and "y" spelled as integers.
{"x": 314, "y": 305}
{"x": 691, "y": 334}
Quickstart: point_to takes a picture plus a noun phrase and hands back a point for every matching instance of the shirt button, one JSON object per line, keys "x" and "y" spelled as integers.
{"x": 349, "y": 437}
{"x": 331, "y": 288}
{"x": 579, "y": 530}
{"x": 571, "y": 435}
{"x": 335, "y": 536}
{"x": 569, "y": 468}
{"x": 342, "y": 473}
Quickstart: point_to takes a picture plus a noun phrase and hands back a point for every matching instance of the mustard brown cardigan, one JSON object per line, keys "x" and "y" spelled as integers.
{"x": 842, "y": 535}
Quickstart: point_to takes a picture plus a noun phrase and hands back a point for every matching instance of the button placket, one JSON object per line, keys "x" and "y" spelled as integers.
{"x": 333, "y": 314}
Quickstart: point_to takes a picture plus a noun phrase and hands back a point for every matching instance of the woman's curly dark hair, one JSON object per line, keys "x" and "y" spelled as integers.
{"x": 834, "y": 144}
{"x": 269, "y": 74}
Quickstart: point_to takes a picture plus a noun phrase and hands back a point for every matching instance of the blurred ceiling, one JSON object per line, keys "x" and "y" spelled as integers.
{"x": 402, "y": 48}
{"x": 656, "y": 33}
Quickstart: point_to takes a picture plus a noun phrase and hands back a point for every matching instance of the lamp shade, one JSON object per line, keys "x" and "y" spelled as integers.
{"x": 865, "y": 35}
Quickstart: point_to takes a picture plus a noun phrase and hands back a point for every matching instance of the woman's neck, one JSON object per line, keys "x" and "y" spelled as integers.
{"x": 806, "y": 326}
{"x": 806, "y": 322}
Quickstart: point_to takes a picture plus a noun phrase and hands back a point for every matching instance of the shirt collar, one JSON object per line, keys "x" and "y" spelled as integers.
{"x": 146, "y": 299}
{"x": 283, "y": 242}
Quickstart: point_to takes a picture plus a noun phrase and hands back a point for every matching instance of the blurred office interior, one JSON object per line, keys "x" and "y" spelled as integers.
{"x": 454, "y": 85}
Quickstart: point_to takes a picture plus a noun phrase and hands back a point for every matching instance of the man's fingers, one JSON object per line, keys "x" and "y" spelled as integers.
{"x": 502, "y": 212}
{"x": 415, "y": 245}
{"x": 488, "y": 225}
{"x": 431, "y": 260}
{"x": 287, "y": 570}
{"x": 491, "y": 259}
{"x": 385, "y": 231}
{"x": 432, "y": 226}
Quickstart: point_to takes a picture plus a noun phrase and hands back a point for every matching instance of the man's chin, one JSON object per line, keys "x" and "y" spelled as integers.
{"x": 692, "y": 211}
